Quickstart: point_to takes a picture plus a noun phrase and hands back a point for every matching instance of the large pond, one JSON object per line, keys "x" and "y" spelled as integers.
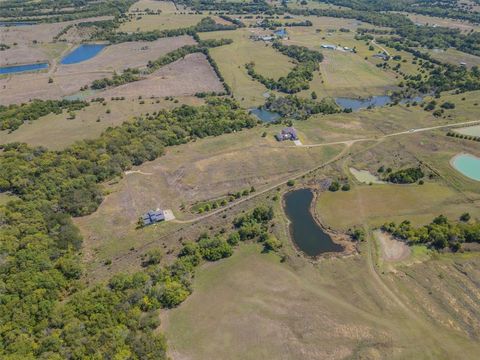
{"x": 468, "y": 165}
{"x": 308, "y": 236}
{"x": 82, "y": 53}
{"x": 22, "y": 68}
{"x": 374, "y": 101}
{"x": 265, "y": 115}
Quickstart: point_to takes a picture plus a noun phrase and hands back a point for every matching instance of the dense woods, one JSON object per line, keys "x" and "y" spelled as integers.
{"x": 13, "y": 116}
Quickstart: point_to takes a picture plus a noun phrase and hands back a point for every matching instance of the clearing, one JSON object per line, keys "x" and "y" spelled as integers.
{"x": 391, "y": 248}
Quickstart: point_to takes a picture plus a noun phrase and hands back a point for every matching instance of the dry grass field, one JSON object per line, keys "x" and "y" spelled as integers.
{"x": 455, "y": 57}
{"x": 202, "y": 170}
{"x": 41, "y": 33}
{"x": 232, "y": 58}
{"x": 58, "y": 131}
{"x": 188, "y": 76}
{"x": 252, "y": 306}
{"x": 163, "y": 21}
{"x": 68, "y": 79}
{"x": 166, "y": 7}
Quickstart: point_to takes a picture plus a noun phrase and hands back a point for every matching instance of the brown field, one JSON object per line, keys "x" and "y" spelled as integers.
{"x": 58, "y": 131}
{"x": 205, "y": 169}
{"x": 22, "y": 55}
{"x": 42, "y": 33}
{"x": 252, "y": 306}
{"x": 188, "y": 76}
{"x": 163, "y": 21}
{"x": 68, "y": 79}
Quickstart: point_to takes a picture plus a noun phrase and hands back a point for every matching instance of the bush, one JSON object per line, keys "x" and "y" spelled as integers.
{"x": 290, "y": 182}
{"x": 272, "y": 243}
{"x": 334, "y": 186}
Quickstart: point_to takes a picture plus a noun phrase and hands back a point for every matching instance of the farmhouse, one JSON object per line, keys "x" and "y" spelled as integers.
{"x": 282, "y": 33}
{"x": 288, "y": 133}
{"x": 153, "y": 216}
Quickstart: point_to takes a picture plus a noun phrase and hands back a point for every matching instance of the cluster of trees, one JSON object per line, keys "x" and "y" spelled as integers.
{"x": 335, "y": 186}
{"x": 128, "y": 75}
{"x": 299, "y": 77}
{"x": 440, "y": 233}
{"x": 205, "y": 25}
{"x": 273, "y": 24}
{"x": 64, "y": 10}
{"x": 444, "y": 8}
{"x": 234, "y": 21}
{"x": 299, "y": 108}
{"x": 405, "y": 176}
{"x": 212, "y": 205}
{"x": 69, "y": 178}
{"x": 13, "y": 116}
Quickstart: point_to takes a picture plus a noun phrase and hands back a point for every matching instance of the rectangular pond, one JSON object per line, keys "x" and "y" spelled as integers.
{"x": 306, "y": 233}
{"x": 82, "y": 53}
{"x": 22, "y": 68}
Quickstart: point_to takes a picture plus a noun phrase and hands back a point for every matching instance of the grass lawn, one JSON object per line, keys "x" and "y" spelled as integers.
{"x": 252, "y": 306}
{"x": 377, "y": 204}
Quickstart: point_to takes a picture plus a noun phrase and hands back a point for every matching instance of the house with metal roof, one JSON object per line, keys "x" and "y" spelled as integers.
{"x": 153, "y": 216}
{"x": 288, "y": 133}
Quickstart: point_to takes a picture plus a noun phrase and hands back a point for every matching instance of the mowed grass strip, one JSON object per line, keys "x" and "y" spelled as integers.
{"x": 377, "y": 204}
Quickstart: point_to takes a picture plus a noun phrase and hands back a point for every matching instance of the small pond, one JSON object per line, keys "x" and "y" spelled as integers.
{"x": 22, "y": 68}
{"x": 305, "y": 231}
{"x": 82, "y": 53}
{"x": 374, "y": 101}
{"x": 468, "y": 165}
{"x": 265, "y": 115}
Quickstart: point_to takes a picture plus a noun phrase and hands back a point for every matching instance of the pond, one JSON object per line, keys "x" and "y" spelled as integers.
{"x": 82, "y": 53}
{"x": 468, "y": 165}
{"x": 15, "y": 23}
{"x": 265, "y": 115}
{"x": 22, "y": 68}
{"x": 305, "y": 231}
{"x": 374, "y": 101}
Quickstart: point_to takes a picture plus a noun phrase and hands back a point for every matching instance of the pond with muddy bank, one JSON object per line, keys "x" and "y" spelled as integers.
{"x": 306, "y": 232}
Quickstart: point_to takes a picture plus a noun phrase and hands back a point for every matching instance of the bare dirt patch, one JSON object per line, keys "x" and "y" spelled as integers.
{"x": 392, "y": 249}
{"x": 187, "y": 76}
